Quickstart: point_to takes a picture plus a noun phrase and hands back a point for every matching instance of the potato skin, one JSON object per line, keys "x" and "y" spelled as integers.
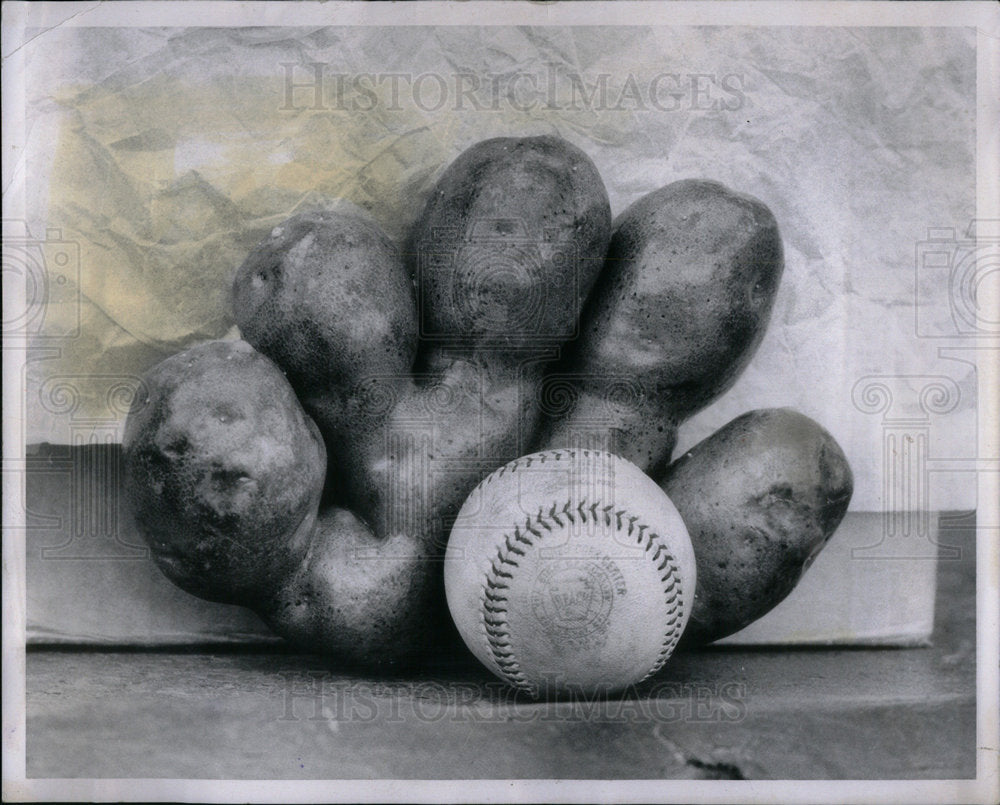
{"x": 510, "y": 243}
{"x": 223, "y": 470}
{"x": 370, "y": 602}
{"x": 326, "y": 297}
{"x": 760, "y": 498}
{"x": 678, "y": 311}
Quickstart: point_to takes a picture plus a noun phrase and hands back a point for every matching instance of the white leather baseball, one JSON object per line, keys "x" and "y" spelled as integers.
{"x": 570, "y": 571}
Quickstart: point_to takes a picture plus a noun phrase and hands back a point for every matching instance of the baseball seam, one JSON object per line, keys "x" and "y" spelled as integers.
{"x": 494, "y": 600}
{"x": 526, "y": 461}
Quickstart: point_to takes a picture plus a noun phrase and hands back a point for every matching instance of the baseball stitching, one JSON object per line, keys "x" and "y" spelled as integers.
{"x": 494, "y": 598}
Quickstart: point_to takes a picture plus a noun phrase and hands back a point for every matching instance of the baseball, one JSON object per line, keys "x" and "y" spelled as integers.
{"x": 570, "y": 571}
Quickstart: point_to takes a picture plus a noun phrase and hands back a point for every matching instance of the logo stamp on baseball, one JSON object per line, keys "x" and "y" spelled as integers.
{"x": 572, "y": 599}
{"x": 570, "y": 570}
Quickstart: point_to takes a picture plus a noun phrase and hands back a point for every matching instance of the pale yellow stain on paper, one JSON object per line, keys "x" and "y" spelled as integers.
{"x": 167, "y": 185}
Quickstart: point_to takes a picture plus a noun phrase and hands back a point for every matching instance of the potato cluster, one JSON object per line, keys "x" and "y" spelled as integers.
{"x": 312, "y": 470}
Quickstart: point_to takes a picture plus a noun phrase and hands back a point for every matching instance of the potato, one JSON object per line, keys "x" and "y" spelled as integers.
{"x": 760, "y": 498}
{"x": 326, "y": 297}
{"x": 365, "y": 600}
{"x": 509, "y": 244}
{"x": 223, "y": 471}
{"x": 679, "y": 309}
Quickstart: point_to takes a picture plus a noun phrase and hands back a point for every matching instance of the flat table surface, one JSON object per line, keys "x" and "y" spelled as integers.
{"x": 864, "y": 713}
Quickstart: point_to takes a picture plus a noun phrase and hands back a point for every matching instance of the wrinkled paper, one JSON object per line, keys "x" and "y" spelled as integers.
{"x": 159, "y": 157}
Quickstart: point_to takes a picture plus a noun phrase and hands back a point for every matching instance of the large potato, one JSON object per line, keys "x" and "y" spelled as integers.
{"x": 760, "y": 498}
{"x": 224, "y": 471}
{"x": 679, "y": 309}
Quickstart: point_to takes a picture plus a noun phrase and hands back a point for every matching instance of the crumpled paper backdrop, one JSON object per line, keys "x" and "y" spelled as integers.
{"x": 159, "y": 157}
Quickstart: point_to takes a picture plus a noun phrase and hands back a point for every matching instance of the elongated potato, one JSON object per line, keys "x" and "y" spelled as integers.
{"x": 326, "y": 297}
{"x": 760, "y": 498}
{"x": 678, "y": 311}
{"x": 510, "y": 243}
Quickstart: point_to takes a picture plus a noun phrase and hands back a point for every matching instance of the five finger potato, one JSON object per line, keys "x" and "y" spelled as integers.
{"x": 226, "y": 468}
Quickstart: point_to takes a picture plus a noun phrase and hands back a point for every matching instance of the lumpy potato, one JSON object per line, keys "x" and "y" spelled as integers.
{"x": 223, "y": 471}
{"x": 760, "y": 497}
